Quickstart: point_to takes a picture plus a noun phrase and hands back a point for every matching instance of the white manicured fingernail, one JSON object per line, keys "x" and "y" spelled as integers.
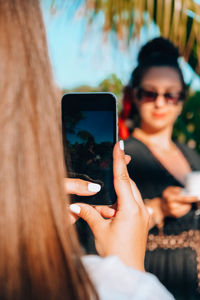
{"x": 94, "y": 187}
{"x": 150, "y": 210}
{"x": 121, "y": 145}
{"x": 75, "y": 208}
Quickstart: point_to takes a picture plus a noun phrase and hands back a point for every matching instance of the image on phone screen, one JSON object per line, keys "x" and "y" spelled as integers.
{"x": 89, "y": 134}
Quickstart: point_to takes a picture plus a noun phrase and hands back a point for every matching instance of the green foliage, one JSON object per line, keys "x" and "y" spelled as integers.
{"x": 177, "y": 20}
{"x": 110, "y": 84}
{"x": 187, "y": 127}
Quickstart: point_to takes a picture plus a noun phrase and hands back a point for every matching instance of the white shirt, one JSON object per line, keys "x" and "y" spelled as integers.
{"x": 115, "y": 281}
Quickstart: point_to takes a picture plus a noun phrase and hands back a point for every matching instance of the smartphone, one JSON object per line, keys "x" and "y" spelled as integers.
{"x": 89, "y": 127}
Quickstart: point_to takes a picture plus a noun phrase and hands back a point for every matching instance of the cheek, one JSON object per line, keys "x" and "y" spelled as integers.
{"x": 174, "y": 113}
{"x": 145, "y": 110}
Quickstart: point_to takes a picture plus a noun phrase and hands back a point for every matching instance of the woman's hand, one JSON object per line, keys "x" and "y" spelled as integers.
{"x": 174, "y": 203}
{"x": 85, "y": 188}
{"x": 81, "y": 187}
{"x": 125, "y": 233}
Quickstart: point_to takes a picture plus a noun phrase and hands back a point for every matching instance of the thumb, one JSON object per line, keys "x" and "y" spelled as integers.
{"x": 88, "y": 214}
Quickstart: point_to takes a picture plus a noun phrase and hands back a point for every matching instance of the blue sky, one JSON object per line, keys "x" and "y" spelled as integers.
{"x": 99, "y": 124}
{"x": 81, "y": 56}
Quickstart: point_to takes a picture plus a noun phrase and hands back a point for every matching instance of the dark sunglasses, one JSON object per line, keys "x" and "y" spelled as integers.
{"x": 151, "y": 96}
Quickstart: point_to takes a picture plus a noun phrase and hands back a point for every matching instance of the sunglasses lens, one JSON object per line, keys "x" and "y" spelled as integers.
{"x": 147, "y": 96}
{"x": 172, "y": 98}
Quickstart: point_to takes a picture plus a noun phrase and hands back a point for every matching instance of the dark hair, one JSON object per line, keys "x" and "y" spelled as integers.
{"x": 159, "y": 52}
{"x": 156, "y": 53}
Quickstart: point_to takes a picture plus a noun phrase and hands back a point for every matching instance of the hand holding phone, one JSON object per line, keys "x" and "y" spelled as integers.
{"x": 80, "y": 187}
{"x": 125, "y": 233}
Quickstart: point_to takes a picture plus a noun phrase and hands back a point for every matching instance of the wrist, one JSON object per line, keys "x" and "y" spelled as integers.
{"x": 155, "y": 210}
{"x": 132, "y": 257}
{"x": 135, "y": 262}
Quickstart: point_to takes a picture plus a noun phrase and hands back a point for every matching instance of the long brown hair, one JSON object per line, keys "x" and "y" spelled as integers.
{"x": 39, "y": 251}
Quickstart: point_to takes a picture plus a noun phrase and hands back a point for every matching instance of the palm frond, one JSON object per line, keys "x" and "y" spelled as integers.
{"x": 178, "y": 20}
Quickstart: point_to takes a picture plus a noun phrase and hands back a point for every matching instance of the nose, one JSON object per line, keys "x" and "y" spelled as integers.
{"x": 160, "y": 101}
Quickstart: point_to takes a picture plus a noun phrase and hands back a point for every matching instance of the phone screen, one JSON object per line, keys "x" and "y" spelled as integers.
{"x": 89, "y": 134}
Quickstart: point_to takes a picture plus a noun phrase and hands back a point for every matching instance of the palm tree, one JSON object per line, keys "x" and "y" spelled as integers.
{"x": 178, "y": 20}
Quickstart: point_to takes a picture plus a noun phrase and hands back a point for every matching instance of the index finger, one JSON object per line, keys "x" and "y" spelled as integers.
{"x": 81, "y": 187}
{"x": 121, "y": 178}
{"x": 187, "y": 199}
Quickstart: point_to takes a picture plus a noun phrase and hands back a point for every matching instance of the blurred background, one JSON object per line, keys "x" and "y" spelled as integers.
{"x": 93, "y": 46}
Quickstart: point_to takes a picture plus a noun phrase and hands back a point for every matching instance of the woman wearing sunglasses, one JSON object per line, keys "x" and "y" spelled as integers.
{"x": 152, "y": 102}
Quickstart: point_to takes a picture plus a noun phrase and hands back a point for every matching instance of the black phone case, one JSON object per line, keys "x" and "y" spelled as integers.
{"x": 89, "y": 160}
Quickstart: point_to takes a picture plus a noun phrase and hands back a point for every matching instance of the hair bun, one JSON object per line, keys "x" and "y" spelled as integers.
{"x": 158, "y": 47}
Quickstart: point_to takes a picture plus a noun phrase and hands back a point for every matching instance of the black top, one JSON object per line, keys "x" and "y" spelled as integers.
{"x": 174, "y": 256}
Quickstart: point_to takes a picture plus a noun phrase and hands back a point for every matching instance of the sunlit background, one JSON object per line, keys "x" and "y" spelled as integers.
{"x": 89, "y": 53}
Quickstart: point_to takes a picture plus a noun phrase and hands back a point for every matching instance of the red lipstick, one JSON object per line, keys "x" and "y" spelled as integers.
{"x": 158, "y": 115}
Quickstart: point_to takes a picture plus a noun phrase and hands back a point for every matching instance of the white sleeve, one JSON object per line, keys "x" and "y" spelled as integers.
{"x": 116, "y": 281}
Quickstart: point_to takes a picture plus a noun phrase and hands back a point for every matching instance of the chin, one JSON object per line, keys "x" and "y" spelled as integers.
{"x": 158, "y": 126}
